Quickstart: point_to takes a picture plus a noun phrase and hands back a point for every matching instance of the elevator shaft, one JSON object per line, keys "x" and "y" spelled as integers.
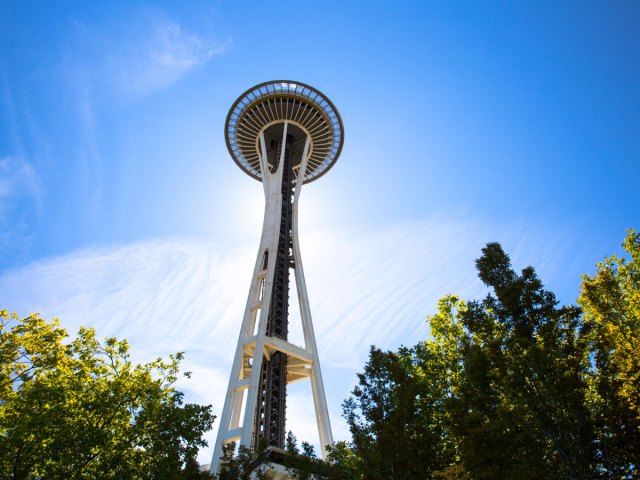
{"x": 272, "y": 391}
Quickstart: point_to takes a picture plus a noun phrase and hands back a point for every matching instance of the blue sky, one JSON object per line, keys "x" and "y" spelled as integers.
{"x": 465, "y": 122}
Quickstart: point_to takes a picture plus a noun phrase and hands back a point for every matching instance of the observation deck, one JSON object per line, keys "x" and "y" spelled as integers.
{"x": 266, "y": 107}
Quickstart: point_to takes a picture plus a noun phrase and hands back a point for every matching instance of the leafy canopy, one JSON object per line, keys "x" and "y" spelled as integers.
{"x": 611, "y": 303}
{"x": 510, "y": 386}
{"x": 83, "y": 410}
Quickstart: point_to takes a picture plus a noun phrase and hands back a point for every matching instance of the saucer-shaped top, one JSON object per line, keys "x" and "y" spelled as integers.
{"x": 275, "y": 102}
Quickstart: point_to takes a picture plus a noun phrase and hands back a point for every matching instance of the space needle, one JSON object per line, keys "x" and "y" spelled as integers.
{"x": 284, "y": 134}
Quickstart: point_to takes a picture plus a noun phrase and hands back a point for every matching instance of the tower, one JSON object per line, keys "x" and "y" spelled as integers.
{"x": 284, "y": 134}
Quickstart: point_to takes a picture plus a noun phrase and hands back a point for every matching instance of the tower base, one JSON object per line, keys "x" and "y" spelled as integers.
{"x": 274, "y": 471}
{"x": 278, "y": 464}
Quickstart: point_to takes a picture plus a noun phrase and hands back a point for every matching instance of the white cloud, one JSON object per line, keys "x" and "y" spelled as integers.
{"x": 365, "y": 288}
{"x": 17, "y": 177}
{"x": 20, "y": 199}
{"x": 145, "y": 54}
{"x": 156, "y": 56}
{"x": 162, "y": 295}
{"x": 109, "y": 62}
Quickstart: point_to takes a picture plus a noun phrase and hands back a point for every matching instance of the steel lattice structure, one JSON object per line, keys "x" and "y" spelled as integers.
{"x": 284, "y": 134}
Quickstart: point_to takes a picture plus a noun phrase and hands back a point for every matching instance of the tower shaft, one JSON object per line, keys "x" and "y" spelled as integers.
{"x": 271, "y": 408}
{"x": 265, "y": 362}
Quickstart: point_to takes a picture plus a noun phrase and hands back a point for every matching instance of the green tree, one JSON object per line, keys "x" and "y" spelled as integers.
{"x": 611, "y": 303}
{"x": 499, "y": 391}
{"x": 511, "y": 386}
{"x": 395, "y": 416}
{"x": 245, "y": 464}
{"x": 520, "y": 407}
{"x": 346, "y": 465}
{"x": 302, "y": 463}
{"x": 83, "y": 410}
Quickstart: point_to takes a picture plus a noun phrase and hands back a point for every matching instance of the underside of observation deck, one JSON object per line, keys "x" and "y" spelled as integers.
{"x": 275, "y": 102}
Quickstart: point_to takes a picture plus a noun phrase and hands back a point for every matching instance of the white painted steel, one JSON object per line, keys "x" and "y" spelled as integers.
{"x": 278, "y": 101}
{"x": 317, "y": 387}
{"x": 252, "y": 348}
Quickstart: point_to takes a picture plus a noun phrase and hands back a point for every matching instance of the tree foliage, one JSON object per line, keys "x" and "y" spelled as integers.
{"x": 243, "y": 464}
{"x": 611, "y": 303}
{"x": 520, "y": 395}
{"x": 82, "y": 409}
{"x": 395, "y": 416}
{"x": 510, "y": 386}
{"x": 299, "y": 461}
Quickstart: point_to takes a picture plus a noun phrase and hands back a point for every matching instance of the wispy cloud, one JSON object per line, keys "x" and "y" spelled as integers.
{"x": 17, "y": 177}
{"x": 143, "y": 55}
{"x": 111, "y": 63}
{"x": 369, "y": 287}
{"x": 155, "y": 56}
{"x": 20, "y": 199}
